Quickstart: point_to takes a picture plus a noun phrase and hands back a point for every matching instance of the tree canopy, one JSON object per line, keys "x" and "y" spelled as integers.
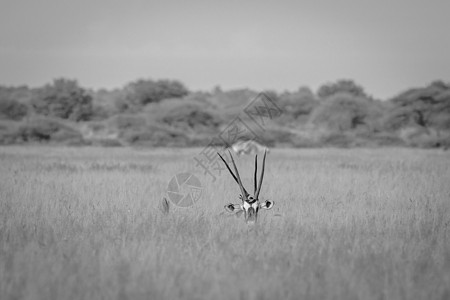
{"x": 142, "y": 92}
{"x": 346, "y": 86}
{"x": 164, "y": 113}
{"x": 64, "y": 99}
{"x": 427, "y": 107}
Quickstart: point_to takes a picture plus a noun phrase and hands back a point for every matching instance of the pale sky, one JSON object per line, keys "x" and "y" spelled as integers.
{"x": 386, "y": 46}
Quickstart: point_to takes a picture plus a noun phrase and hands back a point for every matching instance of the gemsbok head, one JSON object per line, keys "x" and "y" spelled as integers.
{"x": 249, "y": 205}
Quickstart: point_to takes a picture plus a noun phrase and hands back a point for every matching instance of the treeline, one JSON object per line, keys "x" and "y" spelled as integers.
{"x": 165, "y": 113}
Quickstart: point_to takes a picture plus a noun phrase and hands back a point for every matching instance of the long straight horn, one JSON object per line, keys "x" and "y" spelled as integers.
{"x": 228, "y": 167}
{"x": 241, "y": 186}
{"x": 262, "y": 176}
{"x": 256, "y": 172}
{"x": 237, "y": 179}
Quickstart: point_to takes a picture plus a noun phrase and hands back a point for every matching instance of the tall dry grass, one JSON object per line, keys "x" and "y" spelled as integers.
{"x": 84, "y": 223}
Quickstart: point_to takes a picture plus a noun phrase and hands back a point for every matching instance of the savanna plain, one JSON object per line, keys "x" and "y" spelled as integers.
{"x": 87, "y": 223}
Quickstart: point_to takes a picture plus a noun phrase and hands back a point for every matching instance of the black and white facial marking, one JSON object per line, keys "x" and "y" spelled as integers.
{"x": 249, "y": 208}
{"x": 249, "y": 205}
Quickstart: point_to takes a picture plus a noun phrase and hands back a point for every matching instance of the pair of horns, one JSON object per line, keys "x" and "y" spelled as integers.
{"x": 237, "y": 178}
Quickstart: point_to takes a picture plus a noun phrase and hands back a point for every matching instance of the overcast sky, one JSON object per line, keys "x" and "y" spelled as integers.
{"x": 385, "y": 45}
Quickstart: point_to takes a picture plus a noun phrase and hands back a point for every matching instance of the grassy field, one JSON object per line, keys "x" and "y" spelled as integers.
{"x": 84, "y": 223}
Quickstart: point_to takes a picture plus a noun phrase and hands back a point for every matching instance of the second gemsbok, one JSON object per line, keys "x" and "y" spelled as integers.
{"x": 247, "y": 147}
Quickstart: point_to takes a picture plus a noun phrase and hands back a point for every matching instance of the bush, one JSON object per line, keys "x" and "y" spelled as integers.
{"x": 190, "y": 116}
{"x": 302, "y": 141}
{"x": 156, "y": 136}
{"x": 422, "y": 138}
{"x": 307, "y": 137}
{"x": 105, "y": 103}
{"x": 376, "y": 139}
{"x": 296, "y": 106}
{"x": 342, "y": 86}
{"x": 343, "y": 112}
{"x": 143, "y": 92}
{"x": 49, "y": 130}
{"x": 187, "y": 115}
{"x": 9, "y": 133}
{"x": 427, "y": 107}
{"x": 273, "y": 136}
{"x": 231, "y": 103}
{"x": 11, "y": 109}
{"x": 63, "y": 99}
{"x": 337, "y": 139}
{"x": 105, "y": 142}
{"x": 124, "y": 122}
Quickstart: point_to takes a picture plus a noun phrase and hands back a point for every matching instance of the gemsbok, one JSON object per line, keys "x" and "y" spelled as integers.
{"x": 249, "y": 205}
{"x": 247, "y": 147}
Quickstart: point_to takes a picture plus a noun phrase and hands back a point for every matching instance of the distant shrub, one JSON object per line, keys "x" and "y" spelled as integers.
{"x": 105, "y": 142}
{"x": 9, "y": 132}
{"x": 49, "y": 130}
{"x": 96, "y": 126}
{"x": 308, "y": 137}
{"x": 231, "y": 103}
{"x": 379, "y": 139}
{"x": 63, "y": 99}
{"x": 185, "y": 115}
{"x": 296, "y": 106}
{"x": 190, "y": 116}
{"x": 100, "y": 113}
{"x": 156, "y": 136}
{"x": 201, "y": 98}
{"x": 343, "y": 112}
{"x": 11, "y": 109}
{"x": 421, "y": 138}
{"x": 346, "y": 86}
{"x": 143, "y": 92}
{"x": 427, "y": 107}
{"x": 304, "y": 142}
{"x": 337, "y": 139}
{"x": 21, "y": 94}
{"x": 272, "y": 137}
{"x": 127, "y": 121}
{"x": 105, "y": 103}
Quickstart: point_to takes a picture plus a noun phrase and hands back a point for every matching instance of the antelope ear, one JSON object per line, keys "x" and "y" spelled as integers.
{"x": 233, "y": 208}
{"x": 267, "y": 204}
